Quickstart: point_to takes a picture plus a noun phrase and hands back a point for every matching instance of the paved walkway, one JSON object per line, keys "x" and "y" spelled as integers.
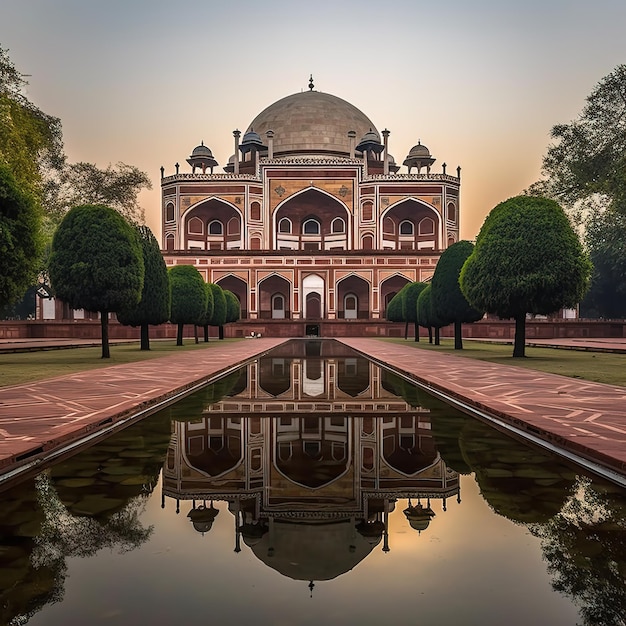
{"x": 587, "y": 418}
{"x": 38, "y": 417}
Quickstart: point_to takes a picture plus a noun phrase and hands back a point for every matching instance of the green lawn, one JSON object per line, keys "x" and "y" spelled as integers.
{"x": 24, "y": 367}
{"x": 16, "y": 368}
{"x": 602, "y": 367}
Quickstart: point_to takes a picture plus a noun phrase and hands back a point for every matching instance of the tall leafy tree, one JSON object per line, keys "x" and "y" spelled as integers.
{"x": 20, "y": 238}
{"x": 116, "y": 186}
{"x": 527, "y": 259}
{"x": 154, "y": 306}
{"x": 189, "y": 298}
{"x": 220, "y": 309}
{"x": 447, "y": 299}
{"x": 585, "y": 170}
{"x": 96, "y": 263}
{"x": 606, "y": 241}
{"x": 31, "y": 141}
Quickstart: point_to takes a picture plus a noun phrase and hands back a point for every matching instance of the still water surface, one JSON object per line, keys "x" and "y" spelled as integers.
{"x": 308, "y": 488}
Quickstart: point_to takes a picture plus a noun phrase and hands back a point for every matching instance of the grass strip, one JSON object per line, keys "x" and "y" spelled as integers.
{"x": 599, "y": 367}
{"x": 23, "y": 367}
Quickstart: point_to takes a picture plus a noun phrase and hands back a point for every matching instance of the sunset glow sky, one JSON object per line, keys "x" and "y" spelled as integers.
{"x": 480, "y": 83}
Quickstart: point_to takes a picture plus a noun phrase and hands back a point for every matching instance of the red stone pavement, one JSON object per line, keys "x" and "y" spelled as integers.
{"x": 587, "y": 418}
{"x": 38, "y": 417}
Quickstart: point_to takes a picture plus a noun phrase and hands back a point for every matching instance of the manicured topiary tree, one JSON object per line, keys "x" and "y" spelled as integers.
{"x": 220, "y": 309}
{"x": 233, "y": 307}
{"x": 448, "y": 301}
{"x": 154, "y": 306}
{"x": 411, "y": 294}
{"x": 208, "y": 313}
{"x": 96, "y": 263}
{"x": 189, "y": 298}
{"x": 21, "y": 241}
{"x": 426, "y": 316}
{"x": 527, "y": 259}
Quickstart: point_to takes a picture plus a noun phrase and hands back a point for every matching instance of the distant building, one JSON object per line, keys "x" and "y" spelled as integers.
{"x": 310, "y": 223}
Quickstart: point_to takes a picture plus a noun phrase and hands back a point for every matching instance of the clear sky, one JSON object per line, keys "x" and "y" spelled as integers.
{"x": 479, "y": 82}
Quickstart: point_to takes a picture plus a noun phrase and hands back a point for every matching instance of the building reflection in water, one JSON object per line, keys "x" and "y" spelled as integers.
{"x": 311, "y": 451}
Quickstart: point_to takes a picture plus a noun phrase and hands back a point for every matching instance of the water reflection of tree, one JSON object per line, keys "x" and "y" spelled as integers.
{"x": 64, "y": 535}
{"x": 585, "y": 548}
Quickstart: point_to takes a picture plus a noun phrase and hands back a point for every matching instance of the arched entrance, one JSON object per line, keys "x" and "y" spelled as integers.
{"x": 274, "y": 298}
{"x": 313, "y": 293}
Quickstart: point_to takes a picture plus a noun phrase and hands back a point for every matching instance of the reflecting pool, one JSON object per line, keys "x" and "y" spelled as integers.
{"x": 312, "y": 487}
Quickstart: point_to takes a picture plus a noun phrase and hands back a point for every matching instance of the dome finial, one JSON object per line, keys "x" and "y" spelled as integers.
{"x": 311, "y": 83}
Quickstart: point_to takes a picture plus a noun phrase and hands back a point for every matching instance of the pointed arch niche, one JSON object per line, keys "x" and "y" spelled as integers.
{"x": 212, "y": 225}
{"x": 353, "y": 298}
{"x": 274, "y": 298}
{"x": 412, "y": 225}
{"x": 301, "y": 211}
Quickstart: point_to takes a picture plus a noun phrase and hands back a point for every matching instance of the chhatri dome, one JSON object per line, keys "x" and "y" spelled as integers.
{"x": 311, "y": 122}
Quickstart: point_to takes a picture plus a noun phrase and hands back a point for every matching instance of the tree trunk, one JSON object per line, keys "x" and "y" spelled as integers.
{"x": 195, "y": 333}
{"x": 221, "y": 329}
{"x": 458, "y": 337}
{"x": 437, "y": 336}
{"x": 417, "y": 331}
{"x": 406, "y": 330}
{"x": 430, "y": 334}
{"x": 519, "y": 346}
{"x": 206, "y": 333}
{"x": 179, "y": 335}
{"x": 104, "y": 325}
{"x": 145, "y": 336}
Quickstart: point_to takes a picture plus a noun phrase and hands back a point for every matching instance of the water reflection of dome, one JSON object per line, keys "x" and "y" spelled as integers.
{"x": 418, "y": 516}
{"x": 312, "y": 551}
{"x": 202, "y": 517}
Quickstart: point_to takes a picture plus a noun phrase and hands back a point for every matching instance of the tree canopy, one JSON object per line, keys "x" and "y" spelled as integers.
{"x": 585, "y": 170}
{"x": 31, "y": 141}
{"x": 189, "y": 299}
{"x": 154, "y": 306}
{"x": 233, "y": 307}
{"x": 527, "y": 259}
{"x": 448, "y": 300}
{"x": 220, "y": 309}
{"x": 20, "y": 238}
{"x": 96, "y": 263}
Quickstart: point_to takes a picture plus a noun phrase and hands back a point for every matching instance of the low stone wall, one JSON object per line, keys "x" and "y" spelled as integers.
{"x": 493, "y": 329}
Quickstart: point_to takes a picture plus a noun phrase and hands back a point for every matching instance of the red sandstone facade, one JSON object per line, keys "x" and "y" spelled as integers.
{"x": 311, "y": 225}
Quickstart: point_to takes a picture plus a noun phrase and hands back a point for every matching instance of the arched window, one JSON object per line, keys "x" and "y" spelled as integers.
{"x": 406, "y": 227}
{"x": 216, "y": 228}
{"x": 284, "y": 226}
{"x": 367, "y": 242}
{"x": 427, "y": 226}
{"x": 169, "y": 212}
{"x": 350, "y": 306}
{"x": 255, "y": 211}
{"x": 389, "y": 226}
{"x": 278, "y": 306}
{"x": 195, "y": 226}
{"x": 452, "y": 212}
{"x": 338, "y": 226}
{"x": 368, "y": 211}
{"x": 233, "y": 226}
{"x": 169, "y": 242}
{"x": 255, "y": 243}
{"x": 311, "y": 227}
